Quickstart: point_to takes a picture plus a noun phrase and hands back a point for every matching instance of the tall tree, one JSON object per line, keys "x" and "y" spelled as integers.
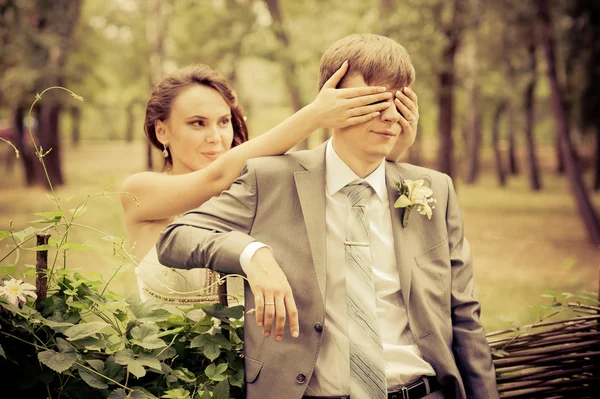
{"x": 288, "y": 65}
{"x": 584, "y": 205}
{"x": 156, "y": 32}
{"x": 498, "y": 113}
{"x": 56, "y": 21}
{"x": 453, "y": 29}
{"x": 535, "y": 179}
{"x": 474, "y": 112}
{"x": 583, "y": 60}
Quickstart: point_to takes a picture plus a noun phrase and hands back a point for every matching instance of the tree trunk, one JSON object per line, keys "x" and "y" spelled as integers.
{"x": 48, "y": 137}
{"x": 500, "y": 109}
{"x": 156, "y": 30}
{"x": 446, "y": 89}
{"x": 584, "y": 205}
{"x": 26, "y": 155}
{"x": 473, "y": 126}
{"x": 446, "y": 112}
{"x": 597, "y": 161}
{"x": 513, "y": 164}
{"x": 288, "y": 67}
{"x": 535, "y": 181}
{"x": 560, "y": 160}
{"x": 129, "y": 127}
{"x": 76, "y": 126}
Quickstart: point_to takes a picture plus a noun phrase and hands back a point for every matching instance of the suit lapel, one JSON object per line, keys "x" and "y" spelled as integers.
{"x": 403, "y": 240}
{"x": 310, "y": 185}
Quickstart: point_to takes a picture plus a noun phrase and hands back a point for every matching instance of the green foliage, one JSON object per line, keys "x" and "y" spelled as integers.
{"x": 82, "y": 344}
{"x": 84, "y": 341}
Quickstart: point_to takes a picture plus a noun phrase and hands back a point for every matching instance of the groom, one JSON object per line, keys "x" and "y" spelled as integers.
{"x": 375, "y": 309}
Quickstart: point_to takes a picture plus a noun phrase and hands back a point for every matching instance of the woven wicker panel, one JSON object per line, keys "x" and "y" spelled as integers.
{"x": 558, "y": 359}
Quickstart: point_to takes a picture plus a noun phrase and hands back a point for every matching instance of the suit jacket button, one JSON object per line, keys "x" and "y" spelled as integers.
{"x": 300, "y": 378}
{"x": 318, "y": 327}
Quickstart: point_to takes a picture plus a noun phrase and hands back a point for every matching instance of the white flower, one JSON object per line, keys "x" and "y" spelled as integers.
{"x": 16, "y": 290}
{"x": 418, "y": 197}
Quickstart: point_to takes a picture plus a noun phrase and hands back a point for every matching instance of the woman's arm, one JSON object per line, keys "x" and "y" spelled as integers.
{"x": 161, "y": 196}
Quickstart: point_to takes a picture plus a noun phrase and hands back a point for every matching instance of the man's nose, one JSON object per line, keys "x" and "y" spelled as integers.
{"x": 390, "y": 114}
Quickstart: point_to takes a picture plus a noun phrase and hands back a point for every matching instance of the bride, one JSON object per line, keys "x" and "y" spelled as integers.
{"x": 194, "y": 118}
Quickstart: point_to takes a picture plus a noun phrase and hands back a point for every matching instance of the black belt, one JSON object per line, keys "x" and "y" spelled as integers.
{"x": 415, "y": 390}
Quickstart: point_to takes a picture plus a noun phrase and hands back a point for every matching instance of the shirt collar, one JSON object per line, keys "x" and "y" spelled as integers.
{"x": 338, "y": 174}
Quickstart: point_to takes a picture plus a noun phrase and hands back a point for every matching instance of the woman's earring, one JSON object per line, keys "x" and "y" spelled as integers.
{"x": 165, "y": 152}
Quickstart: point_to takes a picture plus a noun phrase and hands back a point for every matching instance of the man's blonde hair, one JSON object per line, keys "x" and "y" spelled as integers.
{"x": 380, "y": 61}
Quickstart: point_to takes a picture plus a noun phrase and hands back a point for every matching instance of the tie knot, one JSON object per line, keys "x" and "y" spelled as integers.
{"x": 358, "y": 193}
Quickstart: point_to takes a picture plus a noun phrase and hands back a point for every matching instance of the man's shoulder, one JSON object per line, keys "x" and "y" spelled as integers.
{"x": 290, "y": 161}
{"x": 414, "y": 172}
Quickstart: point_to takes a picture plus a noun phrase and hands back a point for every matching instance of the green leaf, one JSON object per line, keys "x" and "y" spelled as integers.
{"x": 215, "y": 373}
{"x": 164, "y": 354}
{"x": 48, "y": 217}
{"x": 135, "y": 363}
{"x": 2, "y": 353}
{"x": 221, "y": 390}
{"x": 177, "y": 393}
{"x": 55, "y": 324}
{"x": 74, "y": 247}
{"x": 120, "y": 393}
{"x": 84, "y": 330}
{"x": 184, "y": 375}
{"x": 96, "y": 364}
{"x": 63, "y": 346}
{"x": 57, "y": 361}
{"x": 148, "y": 310}
{"x": 92, "y": 379}
{"x": 25, "y": 234}
{"x": 113, "y": 370}
{"x": 44, "y": 247}
{"x": 146, "y": 336}
{"x": 9, "y": 270}
{"x": 4, "y": 234}
{"x": 76, "y": 212}
{"x": 209, "y": 346}
{"x": 225, "y": 313}
{"x": 237, "y": 380}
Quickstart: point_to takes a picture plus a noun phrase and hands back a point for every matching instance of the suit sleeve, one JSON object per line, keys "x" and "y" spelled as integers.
{"x": 469, "y": 344}
{"x": 213, "y": 235}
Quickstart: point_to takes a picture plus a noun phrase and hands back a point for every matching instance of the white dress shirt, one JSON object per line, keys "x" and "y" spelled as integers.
{"x": 403, "y": 360}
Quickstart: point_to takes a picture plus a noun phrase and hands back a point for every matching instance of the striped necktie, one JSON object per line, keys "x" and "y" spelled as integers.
{"x": 367, "y": 365}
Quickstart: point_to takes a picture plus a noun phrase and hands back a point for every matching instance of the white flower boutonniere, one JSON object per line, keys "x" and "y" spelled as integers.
{"x": 414, "y": 194}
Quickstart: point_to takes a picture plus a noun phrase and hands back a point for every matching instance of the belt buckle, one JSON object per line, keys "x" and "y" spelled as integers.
{"x": 404, "y": 391}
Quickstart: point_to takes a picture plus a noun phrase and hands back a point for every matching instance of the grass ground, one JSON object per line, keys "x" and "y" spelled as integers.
{"x": 524, "y": 243}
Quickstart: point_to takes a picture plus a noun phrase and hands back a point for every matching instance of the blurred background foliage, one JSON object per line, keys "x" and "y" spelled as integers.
{"x": 508, "y": 97}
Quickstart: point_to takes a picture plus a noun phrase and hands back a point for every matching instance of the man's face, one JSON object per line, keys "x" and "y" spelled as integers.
{"x": 373, "y": 140}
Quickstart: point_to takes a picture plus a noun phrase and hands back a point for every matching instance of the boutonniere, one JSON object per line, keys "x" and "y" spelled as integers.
{"x": 414, "y": 194}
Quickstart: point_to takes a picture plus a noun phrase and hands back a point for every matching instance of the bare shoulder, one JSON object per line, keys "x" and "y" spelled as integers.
{"x": 133, "y": 185}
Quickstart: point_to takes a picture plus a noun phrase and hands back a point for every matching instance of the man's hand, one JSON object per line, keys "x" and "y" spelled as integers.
{"x": 408, "y": 103}
{"x": 272, "y": 295}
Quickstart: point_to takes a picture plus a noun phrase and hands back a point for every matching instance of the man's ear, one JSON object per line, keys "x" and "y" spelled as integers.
{"x": 161, "y": 131}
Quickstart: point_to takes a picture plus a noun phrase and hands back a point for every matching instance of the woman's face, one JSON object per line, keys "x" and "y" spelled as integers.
{"x": 198, "y": 130}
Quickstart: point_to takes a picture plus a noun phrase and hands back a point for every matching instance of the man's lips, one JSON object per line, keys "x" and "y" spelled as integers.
{"x": 388, "y": 133}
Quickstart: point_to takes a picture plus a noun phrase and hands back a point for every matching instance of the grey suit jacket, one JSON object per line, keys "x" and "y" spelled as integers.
{"x": 281, "y": 201}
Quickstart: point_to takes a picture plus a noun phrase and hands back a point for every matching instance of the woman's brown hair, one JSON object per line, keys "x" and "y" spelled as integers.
{"x": 164, "y": 94}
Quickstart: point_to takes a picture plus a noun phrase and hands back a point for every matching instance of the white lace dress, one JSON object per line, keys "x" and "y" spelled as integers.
{"x": 177, "y": 286}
